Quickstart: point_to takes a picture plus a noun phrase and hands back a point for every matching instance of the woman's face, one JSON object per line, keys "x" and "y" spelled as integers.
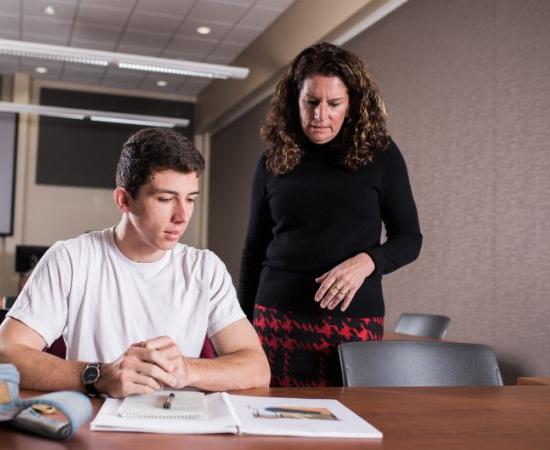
{"x": 323, "y": 104}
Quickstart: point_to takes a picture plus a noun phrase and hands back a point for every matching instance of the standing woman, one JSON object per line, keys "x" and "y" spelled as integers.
{"x": 313, "y": 262}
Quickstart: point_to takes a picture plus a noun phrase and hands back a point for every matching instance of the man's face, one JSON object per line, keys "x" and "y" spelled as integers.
{"x": 162, "y": 209}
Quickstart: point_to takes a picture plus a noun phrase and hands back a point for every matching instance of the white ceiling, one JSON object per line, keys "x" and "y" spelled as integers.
{"x": 164, "y": 28}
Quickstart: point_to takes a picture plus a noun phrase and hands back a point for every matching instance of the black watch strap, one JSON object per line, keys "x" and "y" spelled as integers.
{"x": 90, "y": 376}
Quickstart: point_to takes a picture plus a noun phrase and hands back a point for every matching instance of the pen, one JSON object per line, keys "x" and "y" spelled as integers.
{"x": 168, "y": 402}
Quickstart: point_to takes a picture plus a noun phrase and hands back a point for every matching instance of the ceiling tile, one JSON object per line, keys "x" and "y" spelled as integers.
{"x": 64, "y": 10}
{"x": 260, "y": 17}
{"x": 81, "y": 74}
{"x": 243, "y": 35}
{"x": 54, "y": 68}
{"x": 219, "y": 59}
{"x": 184, "y": 45}
{"x": 170, "y": 78}
{"x": 48, "y": 27}
{"x": 10, "y": 7}
{"x": 47, "y": 76}
{"x": 6, "y": 34}
{"x": 86, "y": 32}
{"x": 193, "y": 86}
{"x": 9, "y": 24}
{"x": 107, "y": 46}
{"x": 218, "y": 12}
{"x": 189, "y": 29}
{"x": 197, "y": 82}
{"x": 147, "y": 27}
{"x": 9, "y": 64}
{"x": 146, "y": 21}
{"x": 147, "y": 51}
{"x": 237, "y": 2}
{"x": 114, "y": 3}
{"x": 151, "y": 40}
{"x": 228, "y": 50}
{"x": 102, "y": 15}
{"x": 275, "y": 4}
{"x": 151, "y": 85}
{"x": 51, "y": 39}
{"x": 178, "y": 8}
{"x": 32, "y": 63}
{"x": 183, "y": 55}
{"x": 126, "y": 79}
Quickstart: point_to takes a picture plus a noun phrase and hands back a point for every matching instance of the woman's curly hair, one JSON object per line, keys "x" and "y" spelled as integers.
{"x": 364, "y": 130}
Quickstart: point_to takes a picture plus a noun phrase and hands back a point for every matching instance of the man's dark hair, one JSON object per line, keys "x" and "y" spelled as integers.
{"x": 154, "y": 149}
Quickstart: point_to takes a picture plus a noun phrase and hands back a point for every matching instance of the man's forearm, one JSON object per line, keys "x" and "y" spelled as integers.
{"x": 239, "y": 370}
{"x": 42, "y": 371}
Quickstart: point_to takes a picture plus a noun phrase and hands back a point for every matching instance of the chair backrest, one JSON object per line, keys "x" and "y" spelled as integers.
{"x": 430, "y": 325}
{"x": 418, "y": 363}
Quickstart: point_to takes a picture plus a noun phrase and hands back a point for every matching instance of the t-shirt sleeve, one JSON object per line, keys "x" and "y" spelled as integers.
{"x": 224, "y": 308}
{"x": 42, "y": 304}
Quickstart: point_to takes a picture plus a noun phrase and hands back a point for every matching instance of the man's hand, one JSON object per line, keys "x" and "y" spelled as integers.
{"x": 340, "y": 284}
{"x": 142, "y": 369}
{"x": 168, "y": 349}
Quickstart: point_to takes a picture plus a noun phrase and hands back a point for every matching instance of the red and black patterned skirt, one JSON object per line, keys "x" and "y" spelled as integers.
{"x": 302, "y": 349}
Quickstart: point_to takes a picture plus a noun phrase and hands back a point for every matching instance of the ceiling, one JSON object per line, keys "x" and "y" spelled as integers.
{"x": 163, "y": 28}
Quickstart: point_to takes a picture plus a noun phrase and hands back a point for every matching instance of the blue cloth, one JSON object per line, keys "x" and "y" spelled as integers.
{"x": 76, "y": 407}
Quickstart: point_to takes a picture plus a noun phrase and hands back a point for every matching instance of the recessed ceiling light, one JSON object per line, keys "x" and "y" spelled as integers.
{"x": 49, "y": 10}
{"x": 161, "y": 83}
{"x": 203, "y": 30}
{"x": 41, "y": 69}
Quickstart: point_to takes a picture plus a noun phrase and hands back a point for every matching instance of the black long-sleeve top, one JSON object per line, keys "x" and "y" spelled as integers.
{"x": 306, "y": 221}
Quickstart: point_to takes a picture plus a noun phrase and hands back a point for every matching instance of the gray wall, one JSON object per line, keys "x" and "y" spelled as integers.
{"x": 235, "y": 152}
{"x": 468, "y": 88}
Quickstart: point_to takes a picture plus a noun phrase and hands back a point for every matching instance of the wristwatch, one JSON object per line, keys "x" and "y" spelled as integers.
{"x": 90, "y": 376}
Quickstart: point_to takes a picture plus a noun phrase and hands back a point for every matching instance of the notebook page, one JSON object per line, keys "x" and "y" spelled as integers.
{"x": 184, "y": 405}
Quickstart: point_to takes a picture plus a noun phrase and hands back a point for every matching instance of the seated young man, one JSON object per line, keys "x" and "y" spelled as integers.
{"x": 132, "y": 304}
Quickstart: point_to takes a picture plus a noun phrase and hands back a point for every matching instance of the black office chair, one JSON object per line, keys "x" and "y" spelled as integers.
{"x": 429, "y": 325}
{"x": 418, "y": 363}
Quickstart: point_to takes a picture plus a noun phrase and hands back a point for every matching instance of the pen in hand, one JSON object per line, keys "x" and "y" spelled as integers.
{"x": 168, "y": 402}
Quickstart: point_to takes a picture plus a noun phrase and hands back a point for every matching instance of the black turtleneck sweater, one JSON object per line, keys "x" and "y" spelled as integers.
{"x": 306, "y": 221}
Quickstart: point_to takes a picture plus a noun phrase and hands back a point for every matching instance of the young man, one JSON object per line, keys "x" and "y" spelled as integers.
{"x": 132, "y": 304}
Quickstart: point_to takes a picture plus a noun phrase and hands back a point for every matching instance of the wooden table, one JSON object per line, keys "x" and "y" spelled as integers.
{"x": 504, "y": 418}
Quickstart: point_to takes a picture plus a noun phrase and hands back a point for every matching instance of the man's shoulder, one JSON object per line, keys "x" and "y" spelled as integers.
{"x": 86, "y": 240}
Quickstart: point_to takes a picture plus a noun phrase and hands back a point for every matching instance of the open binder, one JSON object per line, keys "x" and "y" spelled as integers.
{"x": 239, "y": 414}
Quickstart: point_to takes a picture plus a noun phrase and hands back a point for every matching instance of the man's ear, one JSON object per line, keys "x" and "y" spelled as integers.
{"x": 121, "y": 198}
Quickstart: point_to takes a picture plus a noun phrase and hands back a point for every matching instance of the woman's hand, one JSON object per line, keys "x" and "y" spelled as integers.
{"x": 340, "y": 284}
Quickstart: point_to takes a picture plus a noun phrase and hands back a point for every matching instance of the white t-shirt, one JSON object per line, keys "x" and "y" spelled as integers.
{"x": 102, "y": 302}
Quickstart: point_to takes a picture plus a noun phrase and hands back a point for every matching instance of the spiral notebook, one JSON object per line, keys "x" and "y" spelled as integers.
{"x": 183, "y": 405}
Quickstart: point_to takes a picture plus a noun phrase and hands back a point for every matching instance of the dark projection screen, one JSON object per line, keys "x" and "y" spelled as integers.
{"x": 8, "y": 146}
{"x": 85, "y": 153}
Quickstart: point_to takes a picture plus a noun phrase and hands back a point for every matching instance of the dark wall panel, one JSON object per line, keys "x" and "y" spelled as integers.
{"x": 85, "y": 153}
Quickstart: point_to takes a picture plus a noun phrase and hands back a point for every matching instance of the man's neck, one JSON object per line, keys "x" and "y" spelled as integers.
{"x": 128, "y": 242}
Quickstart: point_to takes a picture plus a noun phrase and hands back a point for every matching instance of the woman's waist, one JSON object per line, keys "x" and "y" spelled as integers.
{"x": 293, "y": 290}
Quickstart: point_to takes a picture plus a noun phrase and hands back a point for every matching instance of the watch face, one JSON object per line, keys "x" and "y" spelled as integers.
{"x": 90, "y": 375}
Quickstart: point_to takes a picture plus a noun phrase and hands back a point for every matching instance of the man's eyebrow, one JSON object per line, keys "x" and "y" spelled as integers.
{"x": 169, "y": 191}
{"x": 164, "y": 191}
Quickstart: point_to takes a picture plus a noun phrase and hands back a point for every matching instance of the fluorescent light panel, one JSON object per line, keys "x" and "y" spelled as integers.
{"x": 121, "y": 60}
{"x": 96, "y": 116}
